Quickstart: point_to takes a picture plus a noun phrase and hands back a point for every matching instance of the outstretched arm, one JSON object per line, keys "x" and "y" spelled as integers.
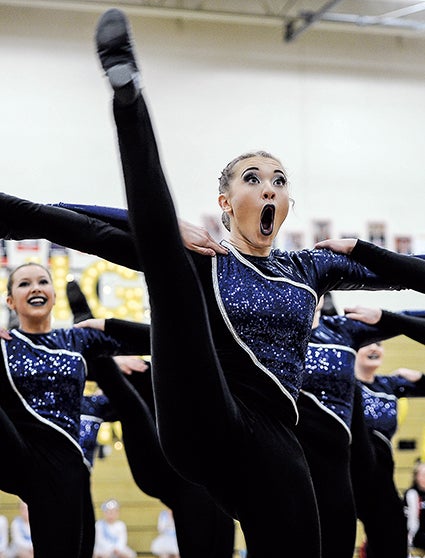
{"x": 408, "y": 271}
{"x": 23, "y": 219}
{"x": 84, "y": 229}
{"x": 391, "y": 323}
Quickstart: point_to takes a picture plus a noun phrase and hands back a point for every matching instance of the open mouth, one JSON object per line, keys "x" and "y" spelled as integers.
{"x": 37, "y": 301}
{"x": 267, "y": 219}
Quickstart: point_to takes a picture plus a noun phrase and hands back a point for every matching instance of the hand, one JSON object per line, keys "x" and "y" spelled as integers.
{"x": 130, "y": 363}
{"x": 410, "y": 375}
{"x": 362, "y": 314}
{"x": 199, "y": 240}
{"x": 338, "y": 245}
{"x": 95, "y": 323}
{"x": 4, "y": 334}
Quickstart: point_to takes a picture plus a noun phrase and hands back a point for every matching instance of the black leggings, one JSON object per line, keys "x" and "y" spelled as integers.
{"x": 202, "y": 528}
{"x": 247, "y": 458}
{"x": 326, "y": 445}
{"x": 47, "y": 472}
{"x": 379, "y": 506}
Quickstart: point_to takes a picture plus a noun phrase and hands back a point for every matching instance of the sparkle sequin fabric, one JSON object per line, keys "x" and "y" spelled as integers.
{"x": 380, "y": 402}
{"x": 48, "y": 372}
{"x": 95, "y": 409}
{"x": 329, "y": 367}
{"x": 268, "y": 304}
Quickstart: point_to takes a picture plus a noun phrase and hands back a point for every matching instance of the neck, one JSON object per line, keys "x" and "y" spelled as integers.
{"x": 246, "y": 247}
{"x": 35, "y": 326}
{"x": 365, "y": 375}
{"x": 316, "y": 320}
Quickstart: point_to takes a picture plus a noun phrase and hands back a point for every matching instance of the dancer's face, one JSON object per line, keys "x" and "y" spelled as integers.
{"x": 32, "y": 294}
{"x": 370, "y": 357}
{"x": 257, "y": 204}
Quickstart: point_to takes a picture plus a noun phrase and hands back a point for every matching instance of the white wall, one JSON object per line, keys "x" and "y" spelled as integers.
{"x": 344, "y": 112}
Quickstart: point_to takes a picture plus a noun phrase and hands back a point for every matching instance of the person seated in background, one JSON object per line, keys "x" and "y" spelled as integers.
{"x": 111, "y": 534}
{"x": 4, "y": 535}
{"x": 20, "y": 535}
{"x": 414, "y": 509}
{"x": 165, "y": 544}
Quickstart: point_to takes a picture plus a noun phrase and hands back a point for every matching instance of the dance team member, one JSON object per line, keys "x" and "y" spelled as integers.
{"x": 247, "y": 351}
{"x": 377, "y": 498}
{"x": 202, "y": 528}
{"x": 414, "y": 509}
{"x": 326, "y": 405}
{"x": 42, "y": 375}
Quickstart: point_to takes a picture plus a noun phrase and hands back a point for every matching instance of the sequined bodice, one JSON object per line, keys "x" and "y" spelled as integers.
{"x": 267, "y": 305}
{"x": 269, "y": 316}
{"x": 330, "y": 359}
{"x": 48, "y": 372}
{"x": 380, "y": 402}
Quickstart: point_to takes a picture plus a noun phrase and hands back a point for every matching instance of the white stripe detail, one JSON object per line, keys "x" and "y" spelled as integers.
{"x": 242, "y": 344}
{"x": 331, "y": 413}
{"x": 383, "y": 438}
{"x": 25, "y": 404}
{"x": 21, "y": 336}
{"x": 388, "y": 396}
{"x": 331, "y": 346}
{"x": 91, "y": 418}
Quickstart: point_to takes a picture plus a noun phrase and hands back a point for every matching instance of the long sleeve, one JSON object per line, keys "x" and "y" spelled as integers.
{"x": 23, "y": 219}
{"x": 135, "y": 337}
{"x": 411, "y": 326}
{"x": 409, "y": 271}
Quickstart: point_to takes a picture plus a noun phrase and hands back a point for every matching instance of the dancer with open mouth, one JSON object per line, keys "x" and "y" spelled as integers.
{"x": 245, "y": 325}
{"x": 226, "y": 417}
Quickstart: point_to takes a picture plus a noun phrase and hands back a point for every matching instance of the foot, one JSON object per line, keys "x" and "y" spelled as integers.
{"x": 78, "y": 302}
{"x": 115, "y": 50}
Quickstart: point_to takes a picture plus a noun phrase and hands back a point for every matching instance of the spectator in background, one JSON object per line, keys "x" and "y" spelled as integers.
{"x": 378, "y": 502}
{"x": 165, "y": 544}
{"x": 20, "y": 535}
{"x": 4, "y": 535}
{"x": 414, "y": 508}
{"x": 111, "y": 534}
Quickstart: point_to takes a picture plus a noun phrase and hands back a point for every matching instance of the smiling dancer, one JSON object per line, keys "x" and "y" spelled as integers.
{"x": 42, "y": 376}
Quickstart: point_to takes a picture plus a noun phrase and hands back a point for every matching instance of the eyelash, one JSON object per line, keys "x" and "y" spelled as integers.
{"x": 250, "y": 176}
{"x": 26, "y": 283}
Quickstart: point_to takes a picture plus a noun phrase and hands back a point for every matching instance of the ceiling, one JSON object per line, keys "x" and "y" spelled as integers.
{"x": 403, "y": 17}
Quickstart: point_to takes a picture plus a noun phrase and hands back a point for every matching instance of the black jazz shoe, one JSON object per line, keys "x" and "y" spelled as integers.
{"x": 115, "y": 50}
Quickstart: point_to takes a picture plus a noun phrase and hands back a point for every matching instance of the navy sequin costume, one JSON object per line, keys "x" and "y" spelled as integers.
{"x": 41, "y": 384}
{"x": 243, "y": 401}
{"x": 95, "y": 409}
{"x": 377, "y": 498}
{"x": 326, "y": 406}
